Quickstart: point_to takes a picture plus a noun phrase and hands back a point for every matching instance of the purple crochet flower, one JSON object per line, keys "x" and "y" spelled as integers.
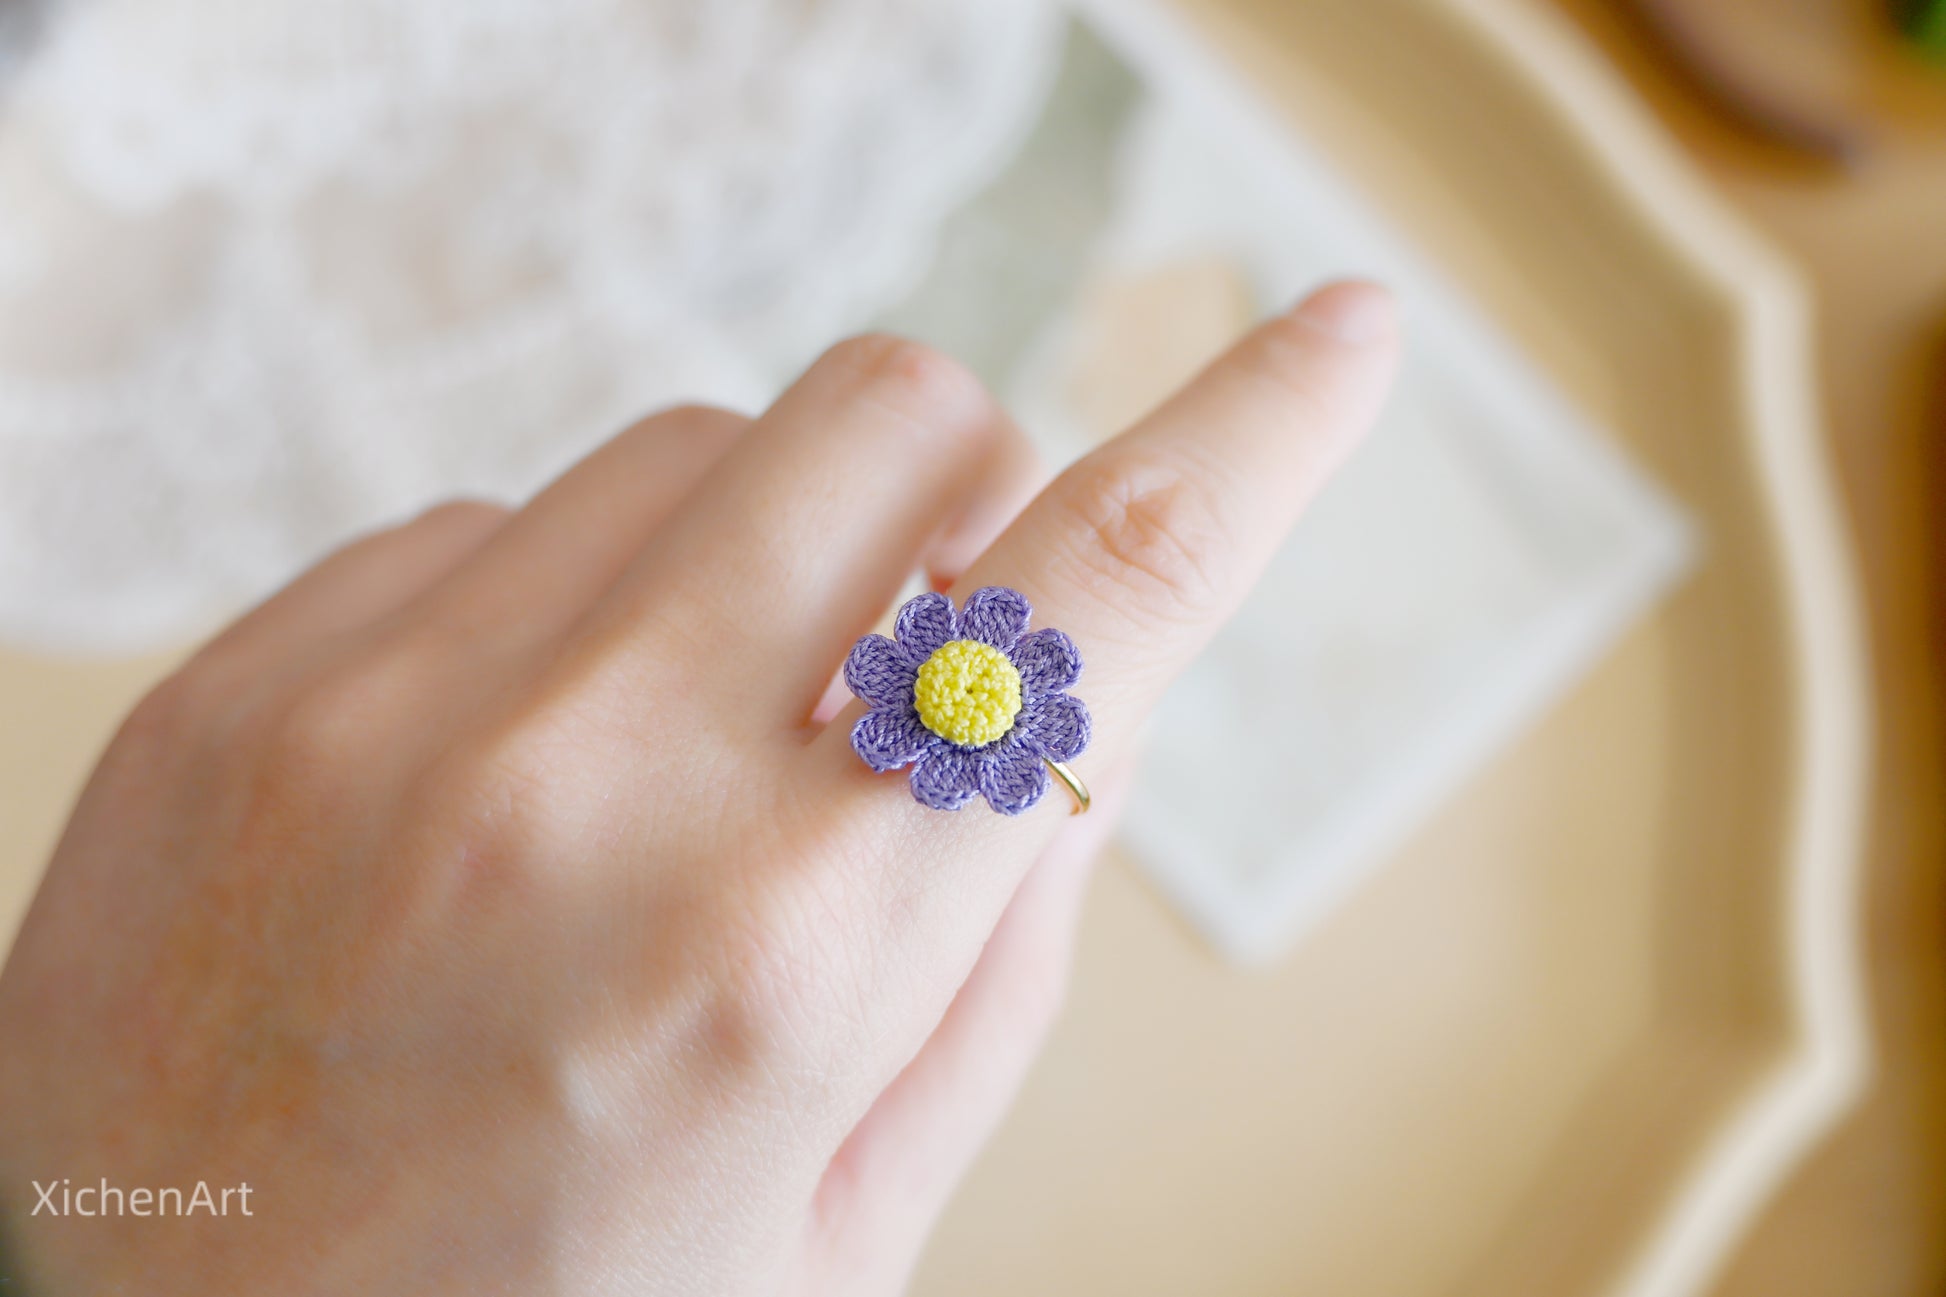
{"x": 971, "y": 700}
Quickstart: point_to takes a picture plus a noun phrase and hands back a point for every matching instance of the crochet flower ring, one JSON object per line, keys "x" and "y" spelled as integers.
{"x": 972, "y": 700}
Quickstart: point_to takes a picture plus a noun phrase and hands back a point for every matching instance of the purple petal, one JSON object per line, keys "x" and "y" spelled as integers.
{"x": 1047, "y": 661}
{"x": 947, "y": 777}
{"x": 995, "y": 615}
{"x": 925, "y": 623}
{"x": 1055, "y": 726}
{"x": 890, "y": 737}
{"x": 880, "y": 672}
{"x": 1013, "y": 778}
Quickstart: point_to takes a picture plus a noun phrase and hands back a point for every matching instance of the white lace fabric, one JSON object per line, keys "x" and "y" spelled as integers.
{"x": 272, "y": 272}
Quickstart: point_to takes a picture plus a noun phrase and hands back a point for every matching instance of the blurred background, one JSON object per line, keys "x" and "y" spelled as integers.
{"x": 1867, "y": 1213}
{"x": 1568, "y": 920}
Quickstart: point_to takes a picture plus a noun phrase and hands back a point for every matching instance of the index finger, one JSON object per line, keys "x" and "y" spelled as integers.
{"x": 1143, "y": 548}
{"x": 1139, "y": 552}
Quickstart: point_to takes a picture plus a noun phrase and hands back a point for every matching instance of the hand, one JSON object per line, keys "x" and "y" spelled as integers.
{"x": 495, "y": 903}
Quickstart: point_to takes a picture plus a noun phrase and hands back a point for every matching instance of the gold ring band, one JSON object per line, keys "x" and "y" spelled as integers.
{"x": 1072, "y": 782}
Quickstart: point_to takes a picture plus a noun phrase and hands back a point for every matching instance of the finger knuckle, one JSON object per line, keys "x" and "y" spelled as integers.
{"x": 463, "y": 515}
{"x": 168, "y": 712}
{"x": 679, "y": 426}
{"x": 921, "y": 385}
{"x": 1148, "y": 532}
{"x": 696, "y": 416}
{"x": 323, "y": 727}
{"x": 517, "y": 771}
{"x": 553, "y": 754}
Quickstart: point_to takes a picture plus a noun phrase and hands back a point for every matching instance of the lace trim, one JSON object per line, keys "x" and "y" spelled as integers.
{"x": 271, "y": 271}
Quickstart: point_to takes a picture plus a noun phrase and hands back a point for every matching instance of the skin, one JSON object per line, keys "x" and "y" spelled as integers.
{"x": 503, "y": 902}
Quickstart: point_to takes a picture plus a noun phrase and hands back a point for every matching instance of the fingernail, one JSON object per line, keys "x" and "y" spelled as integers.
{"x": 1352, "y": 311}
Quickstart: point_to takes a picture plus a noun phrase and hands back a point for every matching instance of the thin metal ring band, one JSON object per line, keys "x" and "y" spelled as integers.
{"x": 1072, "y": 782}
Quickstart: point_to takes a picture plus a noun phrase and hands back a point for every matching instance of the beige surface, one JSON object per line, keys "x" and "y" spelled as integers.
{"x": 1867, "y": 1218}
{"x": 54, "y": 719}
{"x": 1497, "y": 1065}
{"x": 1366, "y": 1117}
{"x": 1493, "y": 1071}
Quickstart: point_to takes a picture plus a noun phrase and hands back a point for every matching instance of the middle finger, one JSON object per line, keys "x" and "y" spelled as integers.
{"x": 802, "y": 535}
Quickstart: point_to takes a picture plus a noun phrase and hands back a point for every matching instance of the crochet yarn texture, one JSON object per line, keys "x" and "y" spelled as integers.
{"x": 967, "y": 692}
{"x": 970, "y": 698}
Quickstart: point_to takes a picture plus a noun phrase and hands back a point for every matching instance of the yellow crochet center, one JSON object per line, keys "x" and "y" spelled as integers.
{"x": 968, "y": 693}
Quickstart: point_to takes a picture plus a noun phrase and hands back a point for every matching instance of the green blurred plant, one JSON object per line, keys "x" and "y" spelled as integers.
{"x": 1924, "y": 22}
